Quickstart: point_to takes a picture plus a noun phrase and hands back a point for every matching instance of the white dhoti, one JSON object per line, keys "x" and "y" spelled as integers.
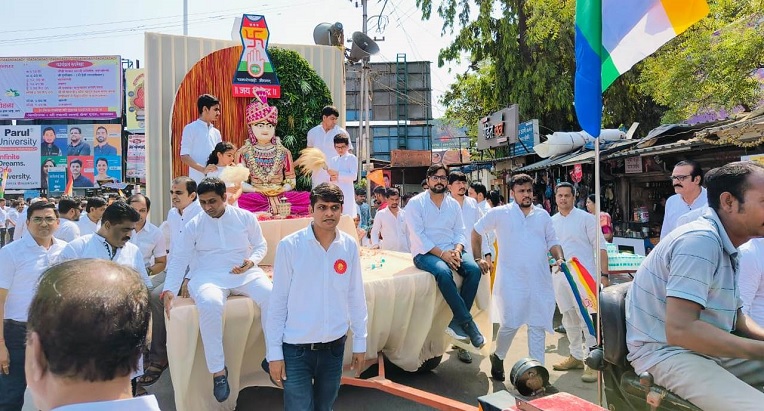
{"x": 210, "y": 302}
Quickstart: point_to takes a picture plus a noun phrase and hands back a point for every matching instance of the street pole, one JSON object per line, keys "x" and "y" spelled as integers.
{"x": 365, "y": 86}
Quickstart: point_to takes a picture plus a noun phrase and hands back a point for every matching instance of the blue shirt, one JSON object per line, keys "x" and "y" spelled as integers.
{"x": 365, "y": 213}
{"x": 106, "y": 150}
{"x": 82, "y": 149}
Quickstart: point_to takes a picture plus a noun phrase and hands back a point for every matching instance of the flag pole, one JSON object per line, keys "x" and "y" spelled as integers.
{"x": 597, "y": 261}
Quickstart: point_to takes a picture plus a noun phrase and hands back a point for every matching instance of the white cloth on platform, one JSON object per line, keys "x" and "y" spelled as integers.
{"x": 67, "y": 230}
{"x": 95, "y": 246}
{"x": 392, "y": 229}
{"x": 676, "y": 207}
{"x": 316, "y": 293}
{"x": 347, "y": 167}
{"x": 523, "y": 287}
{"x": 150, "y": 241}
{"x": 198, "y": 140}
{"x": 23, "y": 262}
{"x": 430, "y": 226}
{"x": 324, "y": 141}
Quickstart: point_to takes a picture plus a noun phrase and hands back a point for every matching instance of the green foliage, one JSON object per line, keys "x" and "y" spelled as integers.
{"x": 303, "y": 95}
{"x": 711, "y": 66}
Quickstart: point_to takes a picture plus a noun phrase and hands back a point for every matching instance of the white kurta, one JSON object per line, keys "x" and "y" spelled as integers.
{"x": 324, "y": 141}
{"x": 393, "y": 230}
{"x": 94, "y": 246}
{"x": 67, "y": 231}
{"x": 212, "y": 247}
{"x": 523, "y": 287}
{"x": 577, "y": 233}
{"x": 347, "y": 166}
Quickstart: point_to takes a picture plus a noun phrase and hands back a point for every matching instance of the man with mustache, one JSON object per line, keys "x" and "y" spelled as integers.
{"x": 389, "y": 229}
{"x": 436, "y": 233}
{"x": 687, "y": 179}
{"x": 222, "y": 246}
{"x": 523, "y": 289}
{"x": 103, "y": 148}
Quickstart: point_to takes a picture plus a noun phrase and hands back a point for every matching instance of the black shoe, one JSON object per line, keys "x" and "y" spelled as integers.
{"x": 220, "y": 387}
{"x": 475, "y": 337}
{"x": 456, "y": 332}
{"x": 560, "y": 329}
{"x": 464, "y": 356}
{"x": 497, "y": 367}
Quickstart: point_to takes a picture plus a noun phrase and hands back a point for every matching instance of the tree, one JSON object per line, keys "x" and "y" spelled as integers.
{"x": 524, "y": 54}
{"x": 713, "y": 66}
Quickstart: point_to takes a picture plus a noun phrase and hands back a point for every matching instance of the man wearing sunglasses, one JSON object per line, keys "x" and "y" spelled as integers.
{"x": 22, "y": 264}
{"x": 687, "y": 179}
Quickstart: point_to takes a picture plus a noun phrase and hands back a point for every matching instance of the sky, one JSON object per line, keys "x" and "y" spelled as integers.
{"x": 116, "y": 27}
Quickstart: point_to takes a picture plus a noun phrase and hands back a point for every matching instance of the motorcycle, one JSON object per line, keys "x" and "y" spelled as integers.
{"x": 624, "y": 389}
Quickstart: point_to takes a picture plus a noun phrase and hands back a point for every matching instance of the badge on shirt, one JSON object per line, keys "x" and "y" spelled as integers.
{"x": 340, "y": 266}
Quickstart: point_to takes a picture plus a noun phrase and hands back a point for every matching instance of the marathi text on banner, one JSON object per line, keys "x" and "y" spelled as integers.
{"x": 20, "y": 155}
{"x": 61, "y": 87}
{"x": 136, "y": 156}
{"x": 254, "y": 71}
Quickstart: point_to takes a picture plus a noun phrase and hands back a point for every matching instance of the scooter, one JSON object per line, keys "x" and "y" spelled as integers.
{"x": 624, "y": 389}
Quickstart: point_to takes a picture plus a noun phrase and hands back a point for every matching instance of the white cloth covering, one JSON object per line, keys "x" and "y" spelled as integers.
{"x": 523, "y": 287}
{"x": 347, "y": 166}
{"x": 21, "y": 264}
{"x": 144, "y": 403}
{"x": 324, "y": 141}
{"x": 67, "y": 230}
{"x": 677, "y": 207}
{"x": 577, "y": 233}
{"x": 198, "y": 140}
{"x": 316, "y": 293}
{"x": 95, "y": 246}
{"x": 430, "y": 226}
{"x": 87, "y": 226}
{"x": 150, "y": 241}
{"x": 750, "y": 279}
{"x": 393, "y": 230}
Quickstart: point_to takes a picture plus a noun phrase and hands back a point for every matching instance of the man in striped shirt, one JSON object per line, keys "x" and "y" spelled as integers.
{"x": 684, "y": 322}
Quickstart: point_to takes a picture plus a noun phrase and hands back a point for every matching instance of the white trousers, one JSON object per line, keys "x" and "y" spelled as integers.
{"x": 536, "y": 342}
{"x": 210, "y": 302}
{"x": 578, "y": 334}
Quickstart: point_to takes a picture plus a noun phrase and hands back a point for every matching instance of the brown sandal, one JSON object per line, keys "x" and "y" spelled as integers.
{"x": 151, "y": 374}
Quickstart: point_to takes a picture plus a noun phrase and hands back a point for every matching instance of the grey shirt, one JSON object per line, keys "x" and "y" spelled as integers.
{"x": 696, "y": 262}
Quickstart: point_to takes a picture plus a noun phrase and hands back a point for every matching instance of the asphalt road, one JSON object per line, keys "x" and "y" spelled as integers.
{"x": 452, "y": 379}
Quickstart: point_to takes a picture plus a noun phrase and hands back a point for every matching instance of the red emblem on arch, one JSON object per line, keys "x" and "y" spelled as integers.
{"x": 340, "y": 266}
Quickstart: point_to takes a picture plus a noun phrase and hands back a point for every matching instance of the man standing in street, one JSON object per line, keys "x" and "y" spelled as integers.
{"x": 88, "y": 323}
{"x": 69, "y": 214}
{"x": 478, "y": 192}
{"x": 389, "y": 229}
{"x": 103, "y": 148}
{"x": 222, "y": 246}
{"x": 436, "y": 231}
{"x": 687, "y": 179}
{"x": 577, "y": 231}
{"x": 684, "y": 318}
{"x": 317, "y": 291}
{"x": 200, "y": 137}
{"x": 523, "y": 289}
{"x": 322, "y": 138}
{"x": 93, "y": 212}
{"x": 3, "y": 218}
{"x": 22, "y": 264}
{"x": 76, "y": 146}
{"x": 363, "y": 208}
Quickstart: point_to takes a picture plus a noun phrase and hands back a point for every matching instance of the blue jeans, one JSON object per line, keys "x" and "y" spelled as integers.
{"x": 12, "y": 386}
{"x": 460, "y": 301}
{"x": 313, "y": 377}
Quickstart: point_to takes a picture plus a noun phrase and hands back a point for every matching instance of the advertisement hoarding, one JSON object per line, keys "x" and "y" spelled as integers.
{"x": 20, "y": 155}
{"x": 136, "y": 156}
{"x": 49, "y": 88}
{"x": 135, "y": 96}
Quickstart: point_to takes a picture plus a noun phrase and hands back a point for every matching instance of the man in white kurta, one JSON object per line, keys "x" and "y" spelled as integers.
{"x": 343, "y": 171}
{"x": 389, "y": 229}
{"x": 200, "y": 137}
{"x": 577, "y": 231}
{"x": 523, "y": 289}
{"x": 222, "y": 248}
{"x": 69, "y": 212}
{"x": 90, "y": 223}
{"x": 322, "y": 138}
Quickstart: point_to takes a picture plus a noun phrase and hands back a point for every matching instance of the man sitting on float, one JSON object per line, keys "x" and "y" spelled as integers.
{"x": 272, "y": 174}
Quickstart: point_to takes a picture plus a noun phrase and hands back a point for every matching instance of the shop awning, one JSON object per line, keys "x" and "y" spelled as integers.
{"x": 549, "y": 162}
{"x": 588, "y": 156}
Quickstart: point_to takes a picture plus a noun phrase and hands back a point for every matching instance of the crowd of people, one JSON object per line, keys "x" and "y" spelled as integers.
{"x": 701, "y": 283}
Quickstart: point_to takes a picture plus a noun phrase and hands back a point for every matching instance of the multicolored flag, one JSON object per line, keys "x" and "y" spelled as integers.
{"x": 579, "y": 298}
{"x": 614, "y": 35}
{"x": 587, "y": 285}
{"x": 69, "y": 186}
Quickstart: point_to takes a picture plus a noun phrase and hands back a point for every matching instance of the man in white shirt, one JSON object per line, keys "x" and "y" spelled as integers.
{"x": 22, "y": 264}
{"x": 149, "y": 240}
{"x": 478, "y": 192}
{"x": 12, "y": 218}
{"x": 523, "y": 289}
{"x": 75, "y": 360}
{"x": 92, "y": 220}
{"x": 112, "y": 241}
{"x": 69, "y": 212}
{"x": 687, "y": 178}
{"x": 436, "y": 231}
{"x": 200, "y": 137}
{"x": 222, "y": 247}
{"x": 317, "y": 291}
{"x": 3, "y": 217}
{"x": 389, "y": 229}
{"x": 322, "y": 138}
{"x": 21, "y": 219}
{"x": 577, "y": 231}
{"x": 343, "y": 171}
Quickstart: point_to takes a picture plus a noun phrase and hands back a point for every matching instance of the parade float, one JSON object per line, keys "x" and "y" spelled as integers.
{"x": 407, "y": 315}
